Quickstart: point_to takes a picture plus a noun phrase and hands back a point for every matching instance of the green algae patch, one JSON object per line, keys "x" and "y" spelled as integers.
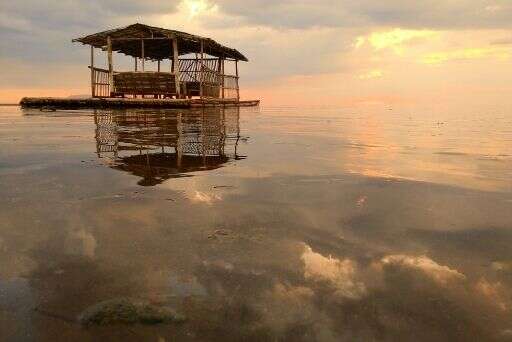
{"x": 126, "y": 311}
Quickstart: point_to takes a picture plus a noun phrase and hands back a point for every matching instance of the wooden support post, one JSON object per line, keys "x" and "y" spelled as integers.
{"x": 222, "y": 72}
{"x": 93, "y": 85}
{"x": 219, "y": 76}
{"x": 179, "y": 144}
{"x": 196, "y": 68}
{"x": 158, "y": 65}
{"x": 237, "y": 86}
{"x": 136, "y": 66}
{"x": 237, "y": 130}
{"x": 203, "y": 135}
{"x": 176, "y": 66}
{"x": 142, "y": 53}
{"x": 222, "y": 142}
{"x": 110, "y": 66}
{"x": 201, "y": 71}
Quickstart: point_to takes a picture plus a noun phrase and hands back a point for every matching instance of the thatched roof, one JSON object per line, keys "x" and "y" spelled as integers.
{"x": 155, "y": 168}
{"x": 157, "y": 49}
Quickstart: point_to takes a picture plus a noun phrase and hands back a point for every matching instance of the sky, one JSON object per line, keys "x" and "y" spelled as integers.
{"x": 321, "y": 52}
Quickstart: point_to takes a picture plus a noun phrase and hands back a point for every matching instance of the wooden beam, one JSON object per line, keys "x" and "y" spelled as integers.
{"x": 201, "y": 71}
{"x": 221, "y": 66}
{"x": 176, "y": 66}
{"x": 136, "y": 67}
{"x": 93, "y": 93}
{"x": 128, "y": 38}
{"x": 110, "y": 66}
{"x": 142, "y": 53}
{"x": 196, "y": 67}
{"x": 202, "y": 135}
{"x": 158, "y": 96}
{"x": 179, "y": 144}
{"x": 237, "y": 86}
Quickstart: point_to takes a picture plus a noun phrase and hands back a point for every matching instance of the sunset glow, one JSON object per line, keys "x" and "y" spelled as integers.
{"x": 395, "y": 39}
{"x": 284, "y": 42}
{"x": 193, "y": 8}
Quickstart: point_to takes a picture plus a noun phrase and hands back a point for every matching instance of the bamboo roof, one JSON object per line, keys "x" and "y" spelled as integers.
{"x": 126, "y": 40}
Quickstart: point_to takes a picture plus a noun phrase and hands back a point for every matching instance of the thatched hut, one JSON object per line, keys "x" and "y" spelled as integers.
{"x": 197, "y": 64}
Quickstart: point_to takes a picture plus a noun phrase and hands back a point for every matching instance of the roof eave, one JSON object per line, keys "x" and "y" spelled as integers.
{"x": 89, "y": 39}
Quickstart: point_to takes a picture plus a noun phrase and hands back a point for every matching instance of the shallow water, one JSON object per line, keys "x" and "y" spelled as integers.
{"x": 271, "y": 224}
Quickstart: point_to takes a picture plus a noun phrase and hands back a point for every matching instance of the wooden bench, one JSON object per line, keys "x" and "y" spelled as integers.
{"x": 144, "y": 83}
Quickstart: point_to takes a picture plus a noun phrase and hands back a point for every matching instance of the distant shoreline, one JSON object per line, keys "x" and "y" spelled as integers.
{"x": 9, "y": 104}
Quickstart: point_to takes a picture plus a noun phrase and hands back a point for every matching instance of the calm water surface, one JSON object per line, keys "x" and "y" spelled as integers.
{"x": 271, "y": 224}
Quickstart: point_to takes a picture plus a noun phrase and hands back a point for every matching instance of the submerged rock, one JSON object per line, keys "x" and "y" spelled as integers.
{"x": 127, "y": 311}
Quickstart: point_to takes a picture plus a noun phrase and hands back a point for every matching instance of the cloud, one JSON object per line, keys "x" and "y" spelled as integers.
{"x": 275, "y": 53}
{"x": 42, "y": 30}
{"x": 13, "y": 23}
{"x": 467, "y": 54}
{"x": 394, "y": 39}
{"x": 501, "y": 266}
{"x": 287, "y": 307}
{"x": 70, "y": 15}
{"x": 351, "y": 13}
{"x": 81, "y": 242}
{"x": 290, "y": 13}
{"x": 341, "y": 274}
{"x": 439, "y": 273}
{"x": 494, "y": 292}
{"x": 204, "y": 197}
{"x": 371, "y": 75}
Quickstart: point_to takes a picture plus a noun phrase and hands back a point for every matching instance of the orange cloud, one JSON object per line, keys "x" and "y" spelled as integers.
{"x": 467, "y": 54}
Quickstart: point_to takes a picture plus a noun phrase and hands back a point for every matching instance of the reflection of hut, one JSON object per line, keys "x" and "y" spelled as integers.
{"x": 160, "y": 145}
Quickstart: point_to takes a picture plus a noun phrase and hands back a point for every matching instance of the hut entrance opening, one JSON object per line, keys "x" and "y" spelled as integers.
{"x": 198, "y": 65}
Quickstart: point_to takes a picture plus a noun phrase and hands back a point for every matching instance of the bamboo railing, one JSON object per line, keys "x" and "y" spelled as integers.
{"x": 100, "y": 82}
{"x": 206, "y": 79}
{"x": 230, "y": 88}
{"x": 213, "y": 82}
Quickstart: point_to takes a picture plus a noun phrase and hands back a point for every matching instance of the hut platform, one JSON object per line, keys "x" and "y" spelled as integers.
{"x": 71, "y": 103}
